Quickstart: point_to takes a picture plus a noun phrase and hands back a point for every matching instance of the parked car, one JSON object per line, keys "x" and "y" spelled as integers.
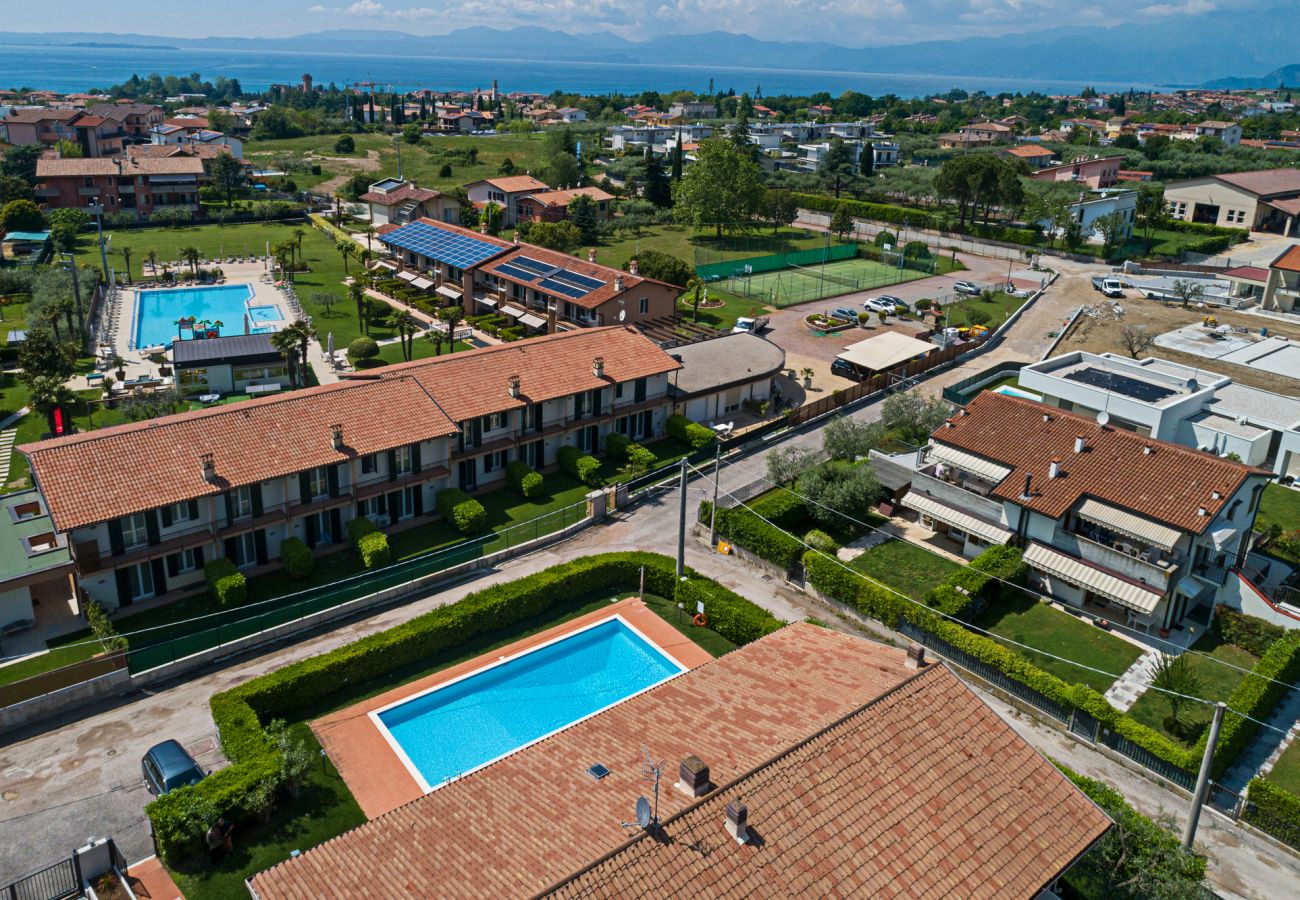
{"x": 845, "y": 369}
{"x": 967, "y": 287}
{"x": 750, "y": 326}
{"x": 1113, "y": 288}
{"x": 887, "y": 305}
{"x": 167, "y": 766}
{"x": 846, "y": 313}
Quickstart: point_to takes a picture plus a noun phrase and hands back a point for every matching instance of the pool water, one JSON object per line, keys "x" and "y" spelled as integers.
{"x": 156, "y": 312}
{"x": 461, "y": 726}
{"x": 1017, "y": 392}
{"x": 268, "y": 313}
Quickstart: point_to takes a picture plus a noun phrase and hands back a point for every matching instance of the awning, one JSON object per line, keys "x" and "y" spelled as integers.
{"x": 964, "y": 521}
{"x": 407, "y": 275}
{"x": 1222, "y": 537}
{"x": 531, "y": 320}
{"x": 1067, "y": 568}
{"x": 384, "y": 264}
{"x": 451, "y": 293}
{"x": 969, "y": 462}
{"x": 487, "y": 301}
{"x": 885, "y": 350}
{"x": 422, "y": 283}
{"x": 1126, "y": 523}
{"x": 513, "y": 312}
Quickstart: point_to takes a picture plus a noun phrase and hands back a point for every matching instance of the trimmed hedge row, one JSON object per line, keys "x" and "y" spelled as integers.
{"x": 461, "y": 511}
{"x": 227, "y": 583}
{"x": 297, "y": 558}
{"x": 1273, "y": 810}
{"x": 582, "y": 466}
{"x": 881, "y": 212}
{"x": 1250, "y": 633}
{"x": 1255, "y": 696}
{"x": 616, "y": 445}
{"x": 688, "y": 432}
{"x": 525, "y": 480}
{"x": 746, "y": 529}
{"x": 180, "y": 819}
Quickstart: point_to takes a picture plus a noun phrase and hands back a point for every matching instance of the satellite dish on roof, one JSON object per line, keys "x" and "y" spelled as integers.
{"x": 622, "y": 314}
{"x": 1103, "y": 417}
{"x": 643, "y": 814}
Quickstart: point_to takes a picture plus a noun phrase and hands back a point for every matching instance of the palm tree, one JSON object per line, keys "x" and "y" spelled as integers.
{"x": 152, "y": 258}
{"x": 297, "y": 246}
{"x": 192, "y": 255}
{"x": 48, "y": 392}
{"x": 286, "y": 343}
{"x": 451, "y": 315}
{"x": 370, "y": 233}
{"x": 303, "y": 333}
{"x": 435, "y": 337}
{"x": 357, "y": 291}
{"x": 347, "y": 249}
{"x": 126, "y": 258}
{"x": 406, "y": 326}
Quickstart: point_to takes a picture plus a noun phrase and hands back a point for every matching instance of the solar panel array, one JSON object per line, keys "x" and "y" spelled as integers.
{"x": 555, "y": 279}
{"x": 452, "y": 248}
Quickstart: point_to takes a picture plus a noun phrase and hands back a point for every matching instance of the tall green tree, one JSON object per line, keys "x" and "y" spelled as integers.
{"x": 836, "y": 166}
{"x": 583, "y": 215}
{"x": 658, "y": 190}
{"x": 21, "y": 215}
{"x": 227, "y": 175}
{"x": 1152, "y": 213}
{"x": 723, "y": 189}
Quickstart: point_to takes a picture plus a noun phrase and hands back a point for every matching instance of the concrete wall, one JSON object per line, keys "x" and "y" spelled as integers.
{"x": 16, "y": 606}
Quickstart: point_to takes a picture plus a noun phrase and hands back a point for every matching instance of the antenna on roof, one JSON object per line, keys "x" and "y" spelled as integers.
{"x": 647, "y": 815}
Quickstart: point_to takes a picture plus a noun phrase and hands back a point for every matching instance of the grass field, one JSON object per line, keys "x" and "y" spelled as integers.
{"x": 1286, "y": 771}
{"x": 981, "y": 310}
{"x": 789, "y": 287}
{"x": 1023, "y": 619}
{"x": 1279, "y": 506}
{"x": 905, "y": 567}
{"x": 1217, "y": 682}
{"x": 692, "y": 246}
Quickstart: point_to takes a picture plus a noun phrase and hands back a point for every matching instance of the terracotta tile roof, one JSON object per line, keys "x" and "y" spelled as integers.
{"x": 90, "y": 121}
{"x": 533, "y": 817}
{"x": 1167, "y": 485}
{"x": 189, "y": 122}
{"x": 515, "y": 183}
{"x": 1251, "y": 273}
{"x": 401, "y": 195}
{"x": 1029, "y": 151}
{"x": 925, "y": 792}
{"x": 476, "y": 382}
{"x": 113, "y": 472}
{"x": 562, "y": 198}
{"x": 135, "y": 165}
{"x": 1289, "y": 260}
{"x": 1266, "y": 182}
{"x": 386, "y": 228}
{"x": 162, "y": 151}
{"x": 591, "y": 300}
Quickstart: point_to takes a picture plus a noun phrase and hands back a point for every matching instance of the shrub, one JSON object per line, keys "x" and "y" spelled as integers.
{"x": 616, "y": 446}
{"x": 373, "y": 549}
{"x": 835, "y": 580}
{"x": 582, "y": 466}
{"x": 227, "y": 583}
{"x": 297, "y": 558}
{"x": 923, "y": 303}
{"x": 880, "y": 212}
{"x": 746, "y": 530}
{"x": 729, "y": 614}
{"x": 527, "y": 482}
{"x": 916, "y": 250}
{"x": 345, "y": 144}
{"x": 1275, "y": 810}
{"x": 1255, "y": 696}
{"x": 639, "y": 459}
{"x": 363, "y": 348}
{"x": 663, "y": 267}
{"x": 688, "y": 432}
{"x": 359, "y": 528}
{"x": 102, "y": 627}
{"x": 462, "y": 511}
{"x": 1249, "y": 633}
{"x": 820, "y": 540}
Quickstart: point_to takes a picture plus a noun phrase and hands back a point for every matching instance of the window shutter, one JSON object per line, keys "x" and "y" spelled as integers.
{"x": 159, "y": 577}
{"x": 336, "y": 525}
{"x": 310, "y": 530}
{"x": 166, "y": 514}
{"x": 193, "y": 510}
{"x": 392, "y": 465}
{"x": 418, "y": 500}
{"x": 394, "y": 505}
{"x": 597, "y": 400}
{"x": 173, "y": 564}
{"x": 198, "y": 558}
{"x": 230, "y": 507}
{"x": 304, "y": 487}
{"x": 151, "y": 526}
{"x": 332, "y": 479}
{"x": 229, "y": 549}
{"x": 123, "y": 577}
{"x": 381, "y": 505}
{"x": 415, "y": 457}
{"x": 259, "y": 545}
{"x": 115, "y": 535}
{"x": 256, "y": 492}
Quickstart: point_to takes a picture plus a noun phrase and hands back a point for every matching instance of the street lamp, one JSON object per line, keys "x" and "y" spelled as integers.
{"x": 96, "y": 209}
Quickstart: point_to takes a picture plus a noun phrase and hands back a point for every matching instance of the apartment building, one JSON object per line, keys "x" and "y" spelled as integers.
{"x": 1122, "y": 526}
{"x": 636, "y": 138}
{"x": 135, "y": 185}
{"x": 694, "y": 109}
{"x": 144, "y": 506}
{"x": 1267, "y": 200}
{"x": 505, "y": 192}
{"x": 553, "y": 206}
{"x": 135, "y": 119}
{"x": 1227, "y": 132}
{"x": 542, "y": 290}
{"x": 397, "y": 201}
{"x": 1095, "y": 172}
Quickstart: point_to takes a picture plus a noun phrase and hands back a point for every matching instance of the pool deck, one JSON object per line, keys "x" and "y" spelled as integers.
{"x": 376, "y": 776}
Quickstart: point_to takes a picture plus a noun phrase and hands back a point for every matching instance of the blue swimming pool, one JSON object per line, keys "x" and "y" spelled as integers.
{"x": 1017, "y": 392}
{"x": 267, "y": 313}
{"x": 465, "y": 724}
{"x": 156, "y": 312}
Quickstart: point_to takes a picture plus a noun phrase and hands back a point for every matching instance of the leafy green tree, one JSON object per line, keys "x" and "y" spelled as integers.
{"x": 583, "y": 214}
{"x": 839, "y": 489}
{"x": 227, "y": 175}
{"x": 20, "y": 162}
{"x": 411, "y": 133}
{"x": 1050, "y": 204}
{"x": 841, "y": 221}
{"x": 1156, "y": 146}
{"x": 780, "y": 208}
{"x": 867, "y": 161}
{"x": 723, "y": 189}
{"x": 1072, "y": 235}
{"x": 50, "y": 393}
{"x": 21, "y": 215}
{"x": 507, "y": 167}
{"x": 786, "y": 465}
{"x": 14, "y": 188}
{"x": 657, "y": 188}
{"x": 41, "y": 354}
{"x": 678, "y": 160}
{"x": 911, "y": 416}
{"x": 837, "y": 166}
{"x": 65, "y": 225}
{"x": 1152, "y": 213}
{"x": 562, "y": 170}
{"x": 1113, "y": 228}
{"x": 851, "y": 439}
{"x": 562, "y": 236}
{"x": 664, "y": 267}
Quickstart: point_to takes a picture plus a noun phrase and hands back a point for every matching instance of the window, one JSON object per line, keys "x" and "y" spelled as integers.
{"x": 493, "y": 461}
{"x": 134, "y": 531}
{"x": 241, "y": 502}
{"x": 645, "y": 306}
{"x": 318, "y": 482}
{"x": 369, "y": 464}
{"x": 402, "y": 457}
{"x": 245, "y": 550}
{"x": 372, "y": 508}
{"x": 618, "y": 391}
{"x": 193, "y": 378}
{"x": 185, "y": 561}
{"x": 179, "y": 512}
{"x": 139, "y": 579}
{"x": 638, "y": 390}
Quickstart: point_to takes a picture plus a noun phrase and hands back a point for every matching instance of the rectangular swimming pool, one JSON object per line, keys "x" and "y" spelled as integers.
{"x": 457, "y": 727}
{"x": 156, "y": 312}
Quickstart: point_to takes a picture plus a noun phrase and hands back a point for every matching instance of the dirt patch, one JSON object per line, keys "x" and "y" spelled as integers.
{"x": 344, "y": 168}
{"x": 1102, "y": 334}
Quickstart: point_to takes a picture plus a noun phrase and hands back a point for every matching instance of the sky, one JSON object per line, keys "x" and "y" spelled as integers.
{"x": 844, "y": 22}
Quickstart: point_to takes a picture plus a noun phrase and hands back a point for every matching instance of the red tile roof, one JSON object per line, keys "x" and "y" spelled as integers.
{"x": 1289, "y": 260}
{"x": 401, "y": 195}
{"x": 136, "y": 165}
{"x": 554, "y": 257}
{"x": 562, "y": 198}
{"x": 1168, "y": 485}
{"x": 515, "y": 183}
{"x": 113, "y": 472}
{"x": 1265, "y": 183}
{"x": 1251, "y": 273}
{"x": 33, "y": 116}
{"x": 926, "y": 761}
{"x": 1028, "y": 151}
{"x": 476, "y": 382}
{"x": 924, "y": 792}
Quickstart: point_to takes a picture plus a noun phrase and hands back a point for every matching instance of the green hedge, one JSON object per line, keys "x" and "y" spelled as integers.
{"x": 373, "y": 549}
{"x": 616, "y": 446}
{"x": 227, "y": 583}
{"x": 688, "y": 432}
{"x": 461, "y": 511}
{"x": 1273, "y": 810}
{"x": 582, "y": 466}
{"x": 1255, "y": 696}
{"x": 880, "y": 212}
{"x": 1235, "y": 235}
{"x": 525, "y": 480}
{"x": 180, "y": 819}
{"x": 358, "y": 528}
{"x": 1006, "y": 234}
{"x": 1250, "y": 633}
{"x": 820, "y": 540}
{"x": 297, "y": 558}
{"x": 747, "y": 530}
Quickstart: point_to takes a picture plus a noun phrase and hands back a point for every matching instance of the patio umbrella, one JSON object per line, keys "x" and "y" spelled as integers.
{"x": 329, "y": 346}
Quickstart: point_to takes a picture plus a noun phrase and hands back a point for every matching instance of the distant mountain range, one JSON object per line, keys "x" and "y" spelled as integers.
{"x": 1287, "y": 75}
{"x": 1192, "y": 50}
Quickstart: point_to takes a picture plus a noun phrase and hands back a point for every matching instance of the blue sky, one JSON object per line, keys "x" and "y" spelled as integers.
{"x": 848, "y": 22}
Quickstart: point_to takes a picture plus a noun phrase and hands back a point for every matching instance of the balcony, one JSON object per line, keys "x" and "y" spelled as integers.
{"x": 1147, "y": 565}
{"x": 89, "y": 191}
{"x": 47, "y": 192}
{"x": 955, "y": 494}
{"x": 126, "y": 188}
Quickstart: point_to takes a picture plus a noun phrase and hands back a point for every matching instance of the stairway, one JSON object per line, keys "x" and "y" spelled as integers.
{"x": 1131, "y": 685}
{"x": 7, "y": 439}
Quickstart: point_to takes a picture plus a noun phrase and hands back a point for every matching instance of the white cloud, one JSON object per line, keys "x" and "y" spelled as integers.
{"x": 366, "y": 8}
{"x": 1186, "y": 8}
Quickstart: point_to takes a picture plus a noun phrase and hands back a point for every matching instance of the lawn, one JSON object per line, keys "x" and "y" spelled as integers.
{"x": 722, "y": 317}
{"x": 980, "y": 311}
{"x": 1279, "y": 506}
{"x": 905, "y": 567}
{"x": 326, "y": 807}
{"x": 1025, "y": 620}
{"x": 1217, "y": 683}
{"x": 683, "y": 242}
{"x": 1286, "y": 771}
{"x": 64, "y": 651}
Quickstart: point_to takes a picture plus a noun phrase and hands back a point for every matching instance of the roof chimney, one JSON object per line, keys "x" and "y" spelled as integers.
{"x": 514, "y": 386}
{"x": 591, "y": 254}
{"x": 1215, "y": 495}
{"x": 618, "y": 282}
{"x": 1054, "y": 468}
{"x": 693, "y": 777}
{"x": 1202, "y": 511}
{"x": 209, "y": 468}
{"x": 915, "y": 656}
{"x": 738, "y": 821}
{"x": 1080, "y": 443}
{"x": 1025, "y": 495}
{"x": 632, "y": 267}
{"x": 1147, "y": 449}
{"x": 552, "y": 313}
{"x": 336, "y": 437}
{"x": 598, "y": 367}
{"x": 1047, "y": 417}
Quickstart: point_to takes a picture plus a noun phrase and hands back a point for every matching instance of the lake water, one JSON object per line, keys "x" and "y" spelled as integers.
{"x": 80, "y": 68}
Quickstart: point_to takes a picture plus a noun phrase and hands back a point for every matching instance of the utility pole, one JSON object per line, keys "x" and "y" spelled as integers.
{"x": 97, "y": 210}
{"x": 681, "y": 522}
{"x": 713, "y": 512}
{"x": 1203, "y": 779}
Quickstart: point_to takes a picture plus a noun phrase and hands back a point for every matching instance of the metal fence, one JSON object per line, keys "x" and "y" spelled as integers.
{"x": 711, "y": 268}
{"x": 56, "y": 882}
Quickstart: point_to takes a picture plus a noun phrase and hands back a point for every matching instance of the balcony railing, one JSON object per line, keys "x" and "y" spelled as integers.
{"x": 1151, "y": 570}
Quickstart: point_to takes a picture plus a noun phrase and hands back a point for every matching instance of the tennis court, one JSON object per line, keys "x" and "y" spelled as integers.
{"x": 800, "y": 284}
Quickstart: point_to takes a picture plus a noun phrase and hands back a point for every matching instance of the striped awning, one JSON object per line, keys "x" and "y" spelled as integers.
{"x": 513, "y": 312}
{"x": 1077, "y": 572}
{"x": 965, "y": 521}
{"x": 486, "y": 301}
{"x": 969, "y": 462}
{"x": 1126, "y": 523}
